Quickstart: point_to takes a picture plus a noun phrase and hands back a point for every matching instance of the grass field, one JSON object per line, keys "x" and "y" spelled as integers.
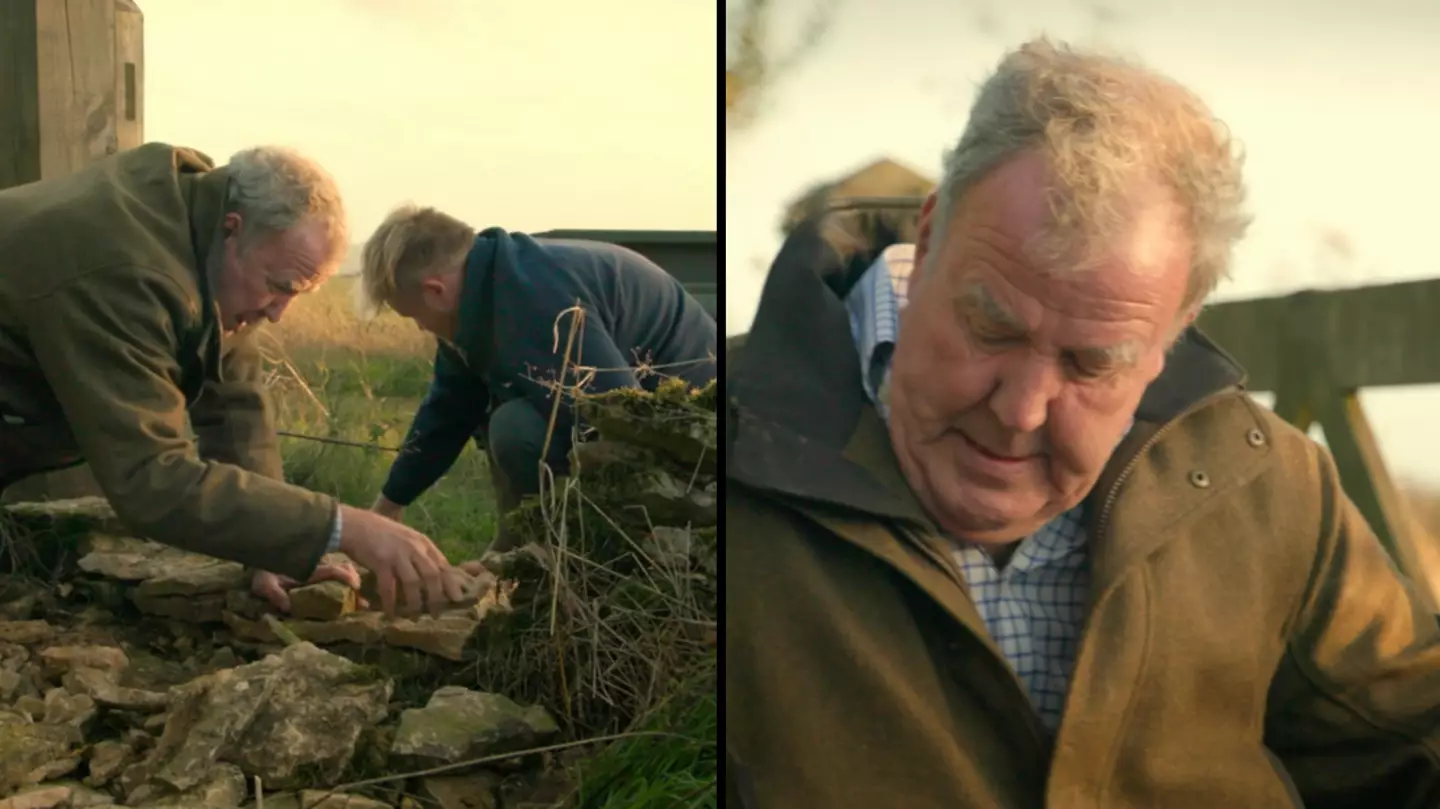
{"x": 339, "y": 377}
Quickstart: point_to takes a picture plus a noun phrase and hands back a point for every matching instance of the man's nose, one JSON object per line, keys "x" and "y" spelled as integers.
{"x": 1027, "y": 384}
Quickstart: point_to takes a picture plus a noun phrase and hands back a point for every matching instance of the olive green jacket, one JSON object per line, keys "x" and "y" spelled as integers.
{"x": 109, "y": 341}
{"x": 1248, "y": 642}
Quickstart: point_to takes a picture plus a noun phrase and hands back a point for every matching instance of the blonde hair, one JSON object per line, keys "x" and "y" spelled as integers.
{"x": 1111, "y": 132}
{"x": 413, "y": 243}
{"x": 275, "y": 188}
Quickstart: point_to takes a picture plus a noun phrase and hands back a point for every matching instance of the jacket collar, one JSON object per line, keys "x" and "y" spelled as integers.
{"x": 204, "y": 194}
{"x": 476, "y": 312}
{"x": 799, "y": 423}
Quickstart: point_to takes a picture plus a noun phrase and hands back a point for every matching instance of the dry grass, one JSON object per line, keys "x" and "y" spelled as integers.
{"x": 327, "y": 320}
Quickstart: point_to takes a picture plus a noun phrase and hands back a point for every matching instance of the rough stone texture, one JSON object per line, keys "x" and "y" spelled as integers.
{"x": 216, "y": 577}
{"x": 74, "y": 514}
{"x": 68, "y": 795}
{"x": 325, "y": 601}
{"x": 222, "y": 787}
{"x": 59, "y": 660}
{"x": 288, "y": 718}
{"x": 31, "y": 754}
{"x": 25, "y": 633}
{"x": 357, "y": 627}
{"x": 100, "y": 685}
{"x": 65, "y": 708}
{"x": 107, "y": 759}
{"x": 317, "y": 799}
{"x": 135, "y": 560}
{"x": 473, "y": 791}
{"x": 201, "y": 609}
{"x": 443, "y": 636}
{"x": 48, "y": 796}
{"x": 458, "y": 724}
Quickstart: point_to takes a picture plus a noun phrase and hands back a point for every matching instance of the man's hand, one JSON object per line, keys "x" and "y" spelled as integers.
{"x": 398, "y": 554}
{"x": 276, "y": 589}
{"x": 385, "y": 508}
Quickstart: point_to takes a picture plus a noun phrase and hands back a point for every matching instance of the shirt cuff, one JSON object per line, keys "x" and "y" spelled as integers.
{"x": 334, "y": 545}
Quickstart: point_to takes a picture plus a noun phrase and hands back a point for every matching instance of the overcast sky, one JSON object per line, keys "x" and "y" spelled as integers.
{"x": 1337, "y": 103}
{"x": 529, "y": 115}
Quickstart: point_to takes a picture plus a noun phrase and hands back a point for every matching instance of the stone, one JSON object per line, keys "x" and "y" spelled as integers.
{"x": 58, "y": 660}
{"x": 88, "y": 512}
{"x": 291, "y": 719}
{"x": 221, "y": 787}
{"x": 107, "y": 759}
{"x": 19, "y": 609}
{"x": 668, "y": 547}
{"x": 34, "y": 753}
{"x": 357, "y": 627}
{"x": 65, "y": 708}
{"x": 444, "y": 636}
{"x": 474, "y": 791}
{"x": 100, "y": 685}
{"x": 46, "y": 796}
{"x": 324, "y": 601}
{"x": 202, "y": 609}
{"x": 135, "y": 560}
{"x": 25, "y": 633}
{"x": 66, "y": 794}
{"x": 459, "y": 724}
{"x": 11, "y": 682}
{"x": 246, "y": 604}
{"x": 32, "y": 705}
{"x": 217, "y": 577}
{"x": 320, "y": 799}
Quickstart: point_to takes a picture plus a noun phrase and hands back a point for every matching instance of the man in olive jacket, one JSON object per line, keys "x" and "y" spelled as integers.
{"x": 1028, "y": 543}
{"x": 129, "y": 294}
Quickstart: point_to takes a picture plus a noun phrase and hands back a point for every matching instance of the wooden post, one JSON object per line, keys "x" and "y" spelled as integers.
{"x": 71, "y": 79}
{"x": 1305, "y": 379}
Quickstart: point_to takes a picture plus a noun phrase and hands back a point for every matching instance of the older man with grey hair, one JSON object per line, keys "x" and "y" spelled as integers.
{"x": 129, "y": 294}
{"x": 1006, "y": 530}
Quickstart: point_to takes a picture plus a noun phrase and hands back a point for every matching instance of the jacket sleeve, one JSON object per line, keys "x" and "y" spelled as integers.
{"x": 1355, "y": 707}
{"x": 108, "y": 345}
{"x": 233, "y": 418}
{"x": 456, "y": 405}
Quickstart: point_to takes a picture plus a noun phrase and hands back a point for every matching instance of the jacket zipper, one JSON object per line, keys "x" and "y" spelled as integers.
{"x": 1038, "y": 733}
{"x": 1108, "y": 505}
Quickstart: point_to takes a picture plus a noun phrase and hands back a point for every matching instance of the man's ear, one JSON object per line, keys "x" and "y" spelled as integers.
{"x": 232, "y": 223}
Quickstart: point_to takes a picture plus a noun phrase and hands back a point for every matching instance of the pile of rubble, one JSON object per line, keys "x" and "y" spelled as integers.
{"x": 152, "y": 677}
{"x": 139, "y": 675}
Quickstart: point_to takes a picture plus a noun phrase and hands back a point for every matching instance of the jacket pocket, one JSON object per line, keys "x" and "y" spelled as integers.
{"x": 739, "y": 784}
{"x": 1285, "y": 780}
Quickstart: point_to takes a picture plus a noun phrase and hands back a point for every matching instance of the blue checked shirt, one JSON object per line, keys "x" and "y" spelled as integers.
{"x": 1035, "y": 606}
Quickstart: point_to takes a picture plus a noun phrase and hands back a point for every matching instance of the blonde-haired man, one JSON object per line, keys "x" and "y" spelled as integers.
{"x": 129, "y": 295}
{"x": 496, "y": 301}
{"x": 1002, "y": 530}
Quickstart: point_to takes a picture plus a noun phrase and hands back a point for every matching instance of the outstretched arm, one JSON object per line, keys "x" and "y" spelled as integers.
{"x": 454, "y": 408}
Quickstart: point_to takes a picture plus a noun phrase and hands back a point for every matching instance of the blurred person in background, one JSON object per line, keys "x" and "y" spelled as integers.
{"x": 1003, "y": 529}
{"x": 502, "y": 306}
{"x": 129, "y": 296}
